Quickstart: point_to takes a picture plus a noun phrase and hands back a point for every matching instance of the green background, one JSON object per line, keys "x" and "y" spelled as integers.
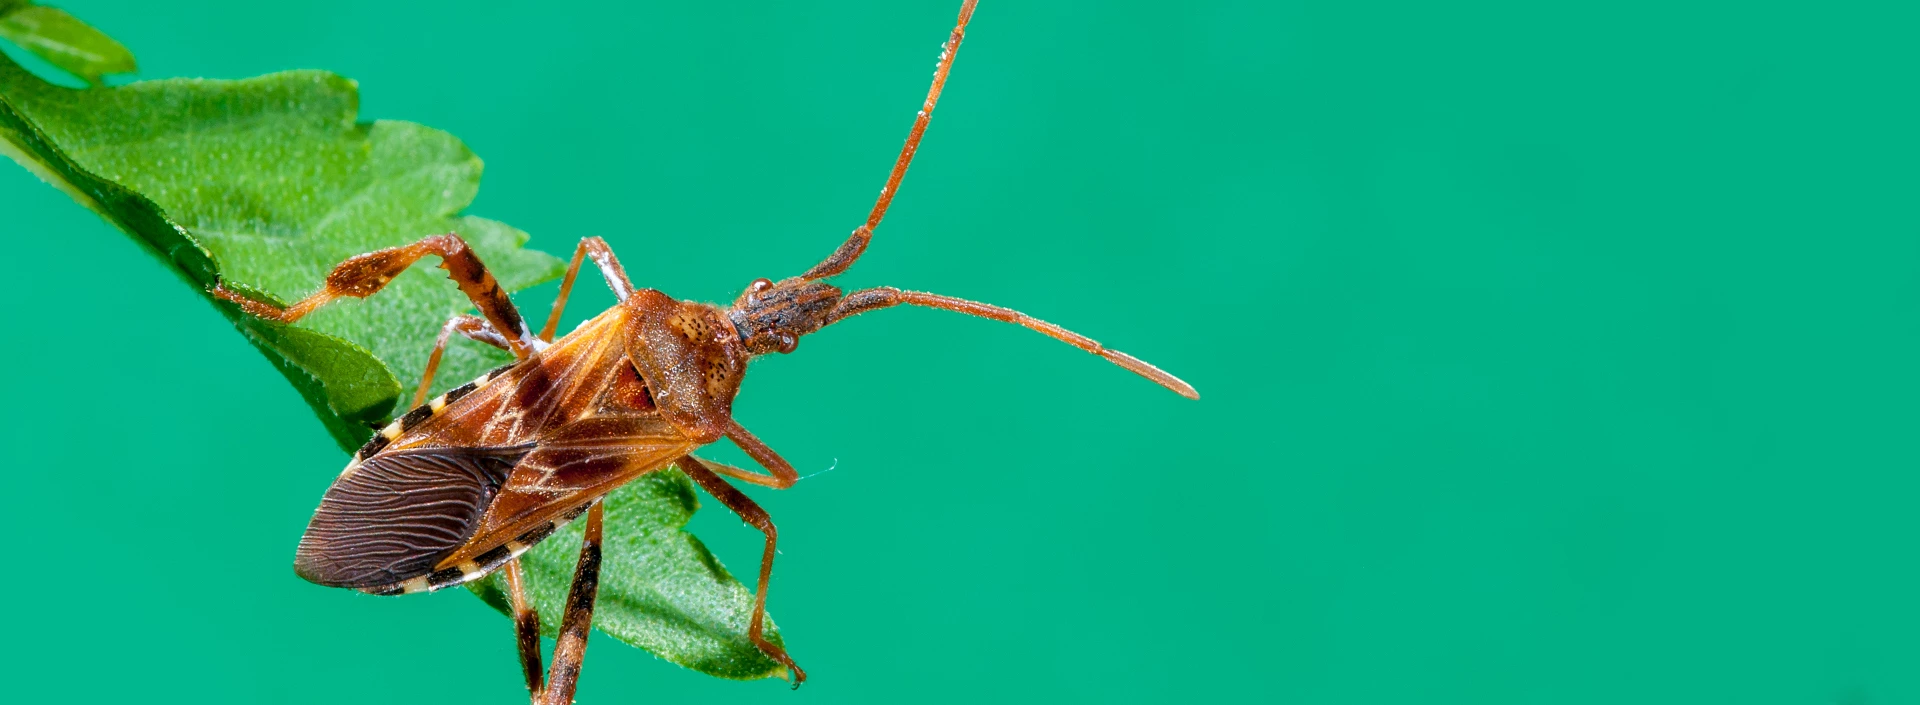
{"x": 1550, "y": 353}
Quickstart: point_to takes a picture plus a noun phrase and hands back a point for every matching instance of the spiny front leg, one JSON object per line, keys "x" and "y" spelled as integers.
{"x": 362, "y": 275}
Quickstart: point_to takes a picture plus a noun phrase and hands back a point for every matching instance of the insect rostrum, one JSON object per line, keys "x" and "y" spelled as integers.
{"x": 466, "y": 482}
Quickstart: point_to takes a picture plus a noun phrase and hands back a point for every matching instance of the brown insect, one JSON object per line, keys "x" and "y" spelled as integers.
{"x": 463, "y": 484}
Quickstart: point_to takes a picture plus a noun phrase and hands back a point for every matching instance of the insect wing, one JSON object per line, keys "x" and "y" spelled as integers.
{"x": 519, "y": 403}
{"x": 572, "y": 466}
{"x": 398, "y": 514}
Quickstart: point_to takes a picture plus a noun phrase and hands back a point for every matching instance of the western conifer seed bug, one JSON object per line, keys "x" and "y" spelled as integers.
{"x": 464, "y": 483}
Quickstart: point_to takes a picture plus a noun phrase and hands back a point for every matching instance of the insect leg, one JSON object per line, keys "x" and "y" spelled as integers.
{"x": 783, "y": 473}
{"x": 526, "y": 627}
{"x": 571, "y": 648}
{"x": 362, "y": 275}
{"x": 751, "y": 513}
{"x": 735, "y": 472}
{"x": 877, "y": 298}
{"x": 609, "y": 268}
{"x": 850, "y": 250}
{"x": 474, "y": 328}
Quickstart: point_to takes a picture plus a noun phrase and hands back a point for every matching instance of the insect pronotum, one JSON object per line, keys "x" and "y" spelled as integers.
{"x": 464, "y": 483}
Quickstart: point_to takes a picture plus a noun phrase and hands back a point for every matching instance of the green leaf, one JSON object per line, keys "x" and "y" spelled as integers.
{"x": 660, "y": 589}
{"x": 266, "y": 184}
{"x": 63, "y": 40}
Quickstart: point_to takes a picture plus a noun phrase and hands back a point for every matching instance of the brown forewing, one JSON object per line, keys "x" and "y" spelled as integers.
{"x": 573, "y": 466}
{"x": 551, "y": 389}
{"x": 589, "y": 418}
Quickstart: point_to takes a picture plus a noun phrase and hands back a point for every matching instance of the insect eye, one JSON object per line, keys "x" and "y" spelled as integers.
{"x": 752, "y": 294}
{"x": 788, "y": 343}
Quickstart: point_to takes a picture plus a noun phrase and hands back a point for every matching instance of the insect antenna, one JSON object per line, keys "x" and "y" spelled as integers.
{"x": 877, "y": 298}
{"x": 850, "y": 250}
{"x": 883, "y": 297}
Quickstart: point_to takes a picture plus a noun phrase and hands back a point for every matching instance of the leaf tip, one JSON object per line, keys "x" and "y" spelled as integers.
{"x": 64, "y": 41}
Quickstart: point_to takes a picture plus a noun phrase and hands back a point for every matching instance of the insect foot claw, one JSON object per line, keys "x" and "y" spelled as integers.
{"x": 797, "y": 674}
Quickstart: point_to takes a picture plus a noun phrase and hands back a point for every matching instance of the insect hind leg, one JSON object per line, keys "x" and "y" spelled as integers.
{"x": 526, "y": 628}
{"x": 571, "y": 647}
{"x": 361, "y": 276}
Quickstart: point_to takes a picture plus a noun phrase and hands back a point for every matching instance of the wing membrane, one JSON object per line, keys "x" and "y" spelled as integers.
{"x": 397, "y": 514}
